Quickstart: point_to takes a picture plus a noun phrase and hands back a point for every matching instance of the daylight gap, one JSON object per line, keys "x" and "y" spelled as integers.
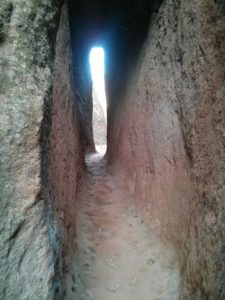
{"x": 97, "y": 68}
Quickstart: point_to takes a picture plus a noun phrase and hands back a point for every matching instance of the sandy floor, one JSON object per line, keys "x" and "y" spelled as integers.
{"x": 117, "y": 257}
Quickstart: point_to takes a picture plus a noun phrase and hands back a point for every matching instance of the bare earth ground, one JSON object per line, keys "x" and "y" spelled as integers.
{"x": 117, "y": 256}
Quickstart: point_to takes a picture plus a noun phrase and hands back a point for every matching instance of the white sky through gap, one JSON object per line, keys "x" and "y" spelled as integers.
{"x": 97, "y": 73}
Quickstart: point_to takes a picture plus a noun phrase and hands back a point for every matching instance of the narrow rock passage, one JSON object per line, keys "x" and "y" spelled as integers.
{"x": 117, "y": 256}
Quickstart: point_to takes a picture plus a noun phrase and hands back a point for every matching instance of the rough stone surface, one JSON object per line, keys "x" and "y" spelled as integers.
{"x": 167, "y": 131}
{"x": 82, "y": 79}
{"x": 166, "y": 138}
{"x": 65, "y": 154}
{"x": 82, "y": 76}
{"x": 30, "y": 249}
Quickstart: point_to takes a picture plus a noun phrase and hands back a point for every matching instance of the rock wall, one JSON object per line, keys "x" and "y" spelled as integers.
{"x": 82, "y": 75}
{"x": 82, "y": 79}
{"x": 167, "y": 132}
{"x": 33, "y": 229}
{"x": 66, "y": 158}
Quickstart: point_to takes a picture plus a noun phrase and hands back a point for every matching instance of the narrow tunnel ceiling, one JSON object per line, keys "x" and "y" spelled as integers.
{"x": 119, "y": 26}
{"x": 95, "y": 20}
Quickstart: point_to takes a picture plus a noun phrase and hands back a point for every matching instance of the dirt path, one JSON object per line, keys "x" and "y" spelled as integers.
{"x": 117, "y": 257}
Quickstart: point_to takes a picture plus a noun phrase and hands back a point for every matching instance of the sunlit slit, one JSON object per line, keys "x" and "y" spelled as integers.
{"x": 97, "y": 66}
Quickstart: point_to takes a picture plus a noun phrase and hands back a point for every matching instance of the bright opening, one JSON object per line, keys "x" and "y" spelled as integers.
{"x": 97, "y": 66}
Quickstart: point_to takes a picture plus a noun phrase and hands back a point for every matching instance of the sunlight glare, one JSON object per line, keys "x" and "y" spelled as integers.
{"x": 97, "y": 73}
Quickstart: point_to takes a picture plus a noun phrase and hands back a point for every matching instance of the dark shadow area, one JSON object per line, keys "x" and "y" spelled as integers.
{"x": 48, "y": 216}
{"x": 118, "y": 26}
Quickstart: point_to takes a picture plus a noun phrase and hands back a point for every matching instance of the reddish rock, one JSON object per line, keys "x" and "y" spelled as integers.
{"x": 167, "y": 133}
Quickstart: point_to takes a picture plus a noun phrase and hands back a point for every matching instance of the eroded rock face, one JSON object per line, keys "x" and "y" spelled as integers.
{"x": 30, "y": 232}
{"x": 167, "y": 131}
{"x": 65, "y": 155}
{"x": 28, "y": 236}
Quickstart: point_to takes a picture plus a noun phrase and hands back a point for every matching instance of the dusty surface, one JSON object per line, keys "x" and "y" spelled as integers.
{"x": 117, "y": 257}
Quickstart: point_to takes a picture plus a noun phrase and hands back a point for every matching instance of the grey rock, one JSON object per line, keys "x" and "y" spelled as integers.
{"x": 29, "y": 233}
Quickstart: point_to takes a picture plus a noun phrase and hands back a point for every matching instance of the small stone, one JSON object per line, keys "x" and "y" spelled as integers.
{"x": 151, "y": 261}
{"x": 112, "y": 262}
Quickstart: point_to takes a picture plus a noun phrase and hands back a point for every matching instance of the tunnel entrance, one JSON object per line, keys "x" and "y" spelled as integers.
{"x": 97, "y": 68}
